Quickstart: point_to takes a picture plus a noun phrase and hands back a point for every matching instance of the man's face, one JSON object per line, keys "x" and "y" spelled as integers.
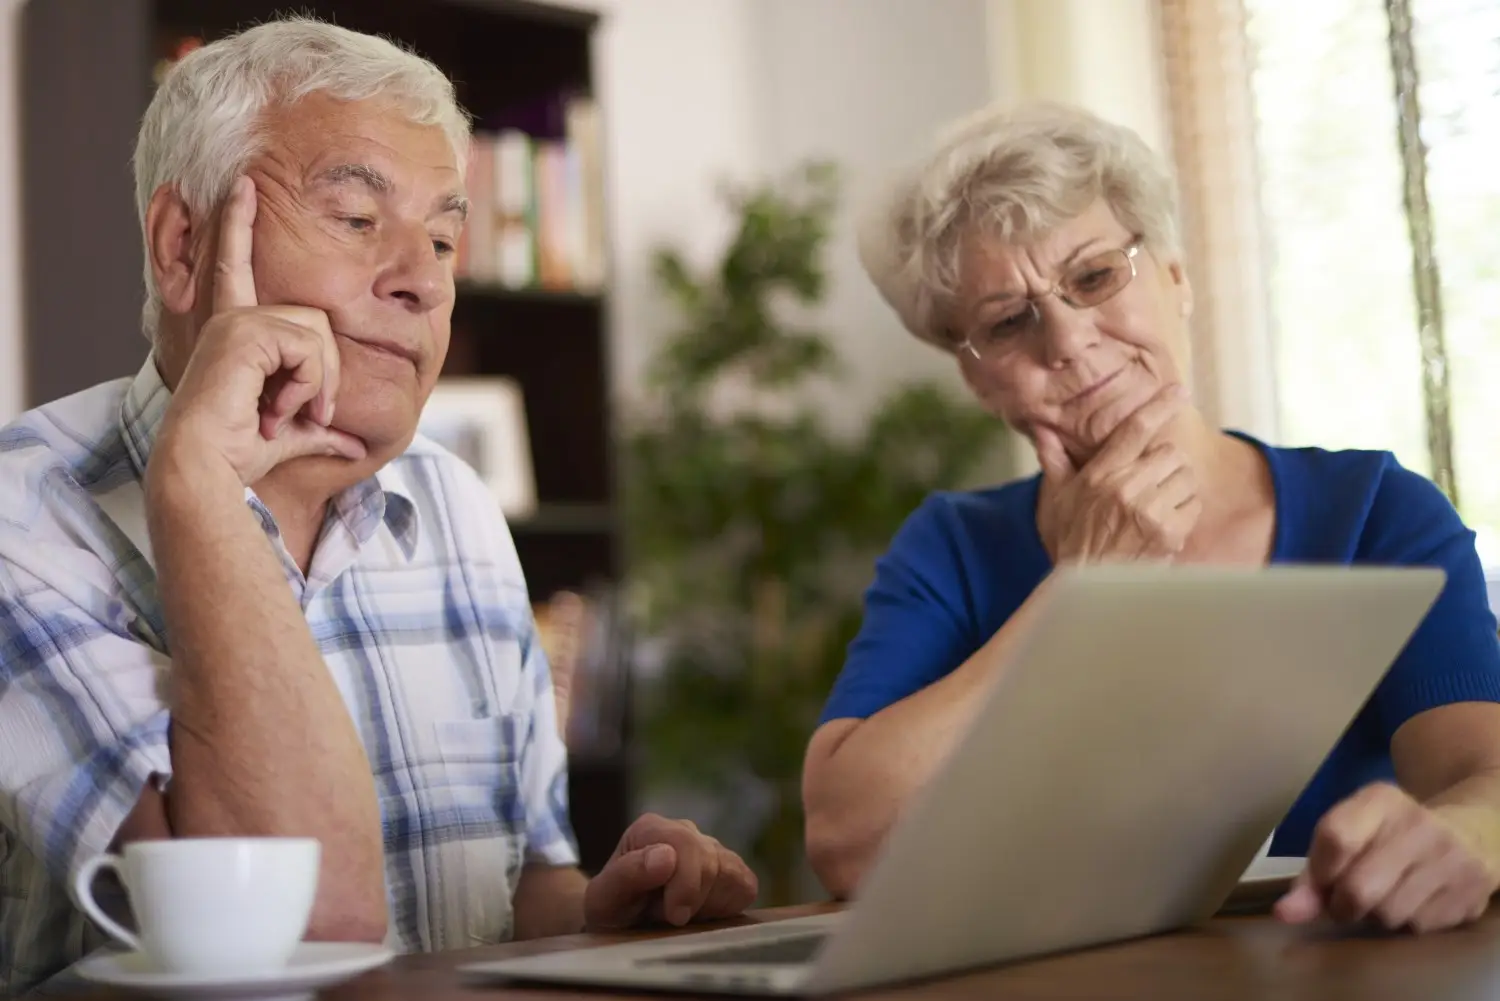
{"x": 358, "y": 214}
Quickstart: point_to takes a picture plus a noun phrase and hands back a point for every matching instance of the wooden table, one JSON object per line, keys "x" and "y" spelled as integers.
{"x": 1234, "y": 959}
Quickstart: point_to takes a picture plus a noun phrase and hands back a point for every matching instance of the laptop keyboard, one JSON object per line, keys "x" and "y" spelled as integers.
{"x": 781, "y": 951}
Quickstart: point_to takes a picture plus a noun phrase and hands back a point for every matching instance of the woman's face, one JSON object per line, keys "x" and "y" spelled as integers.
{"x": 1077, "y": 371}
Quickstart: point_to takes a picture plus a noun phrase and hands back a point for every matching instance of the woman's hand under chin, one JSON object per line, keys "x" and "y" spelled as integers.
{"x": 1136, "y": 499}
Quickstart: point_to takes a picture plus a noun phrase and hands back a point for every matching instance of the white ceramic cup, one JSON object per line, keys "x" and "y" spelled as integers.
{"x": 219, "y": 906}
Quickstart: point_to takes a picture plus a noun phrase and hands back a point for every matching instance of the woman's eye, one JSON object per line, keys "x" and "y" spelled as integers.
{"x": 1091, "y": 281}
{"x": 359, "y": 224}
{"x": 1009, "y": 326}
{"x": 443, "y": 247}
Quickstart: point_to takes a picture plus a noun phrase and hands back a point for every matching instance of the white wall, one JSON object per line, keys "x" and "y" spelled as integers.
{"x": 675, "y": 86}
{"x": 696, "y": 91}
{"x": 1101, "y": 54}
{"x": 865, "y": 83}
{"x": 11, "y": 357}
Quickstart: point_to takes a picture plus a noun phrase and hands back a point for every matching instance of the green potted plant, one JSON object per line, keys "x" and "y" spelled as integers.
{"x": 752, "y": 527}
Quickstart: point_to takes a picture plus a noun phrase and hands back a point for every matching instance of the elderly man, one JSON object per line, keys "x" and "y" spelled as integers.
{"x": 238, "y": 596}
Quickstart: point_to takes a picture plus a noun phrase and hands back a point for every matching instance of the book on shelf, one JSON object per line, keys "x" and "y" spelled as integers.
{"x": 582, "y": 633}
{"x": 171, "y": 53}
{"x": 536, "y": 212}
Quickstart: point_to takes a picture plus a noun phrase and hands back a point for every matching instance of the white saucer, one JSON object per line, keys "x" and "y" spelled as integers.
{"x": 313, "y": 966}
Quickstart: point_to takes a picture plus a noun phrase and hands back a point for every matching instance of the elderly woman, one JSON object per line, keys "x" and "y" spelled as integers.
{"x": 1039, "y": 248}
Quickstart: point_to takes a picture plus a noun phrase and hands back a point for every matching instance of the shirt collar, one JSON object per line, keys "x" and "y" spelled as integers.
{"x": 382, "y": 497}
{"x": 141, "y": 413}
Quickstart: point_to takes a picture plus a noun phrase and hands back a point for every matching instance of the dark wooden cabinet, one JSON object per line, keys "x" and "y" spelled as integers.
{"x": 86, "y": 80}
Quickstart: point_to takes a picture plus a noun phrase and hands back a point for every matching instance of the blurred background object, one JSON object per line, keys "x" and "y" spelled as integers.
{"x": 752, "y": 526}
{"x": 585, "y": 638}
{"x": 483, "y": 421}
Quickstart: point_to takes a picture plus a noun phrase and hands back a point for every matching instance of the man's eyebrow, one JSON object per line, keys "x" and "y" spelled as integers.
{"x": 378, "y": 183}
{"x": 454, "y": 202}
{"x": 355, "y": 173}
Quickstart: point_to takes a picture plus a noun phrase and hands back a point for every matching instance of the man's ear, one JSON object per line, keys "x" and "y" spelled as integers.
{"x": 170, "y": 246}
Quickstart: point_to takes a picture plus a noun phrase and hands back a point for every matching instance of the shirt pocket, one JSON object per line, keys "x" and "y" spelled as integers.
{"x": 480, "y": 820}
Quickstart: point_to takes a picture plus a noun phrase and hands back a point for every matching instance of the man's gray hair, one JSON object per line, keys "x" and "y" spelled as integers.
{"x": 200, "y": 133}
{"x": 1014, "y": 175}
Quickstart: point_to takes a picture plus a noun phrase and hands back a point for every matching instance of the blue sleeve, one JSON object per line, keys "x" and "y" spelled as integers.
{"x": 1454, "y": 655}
{"x": 917, "y": 623}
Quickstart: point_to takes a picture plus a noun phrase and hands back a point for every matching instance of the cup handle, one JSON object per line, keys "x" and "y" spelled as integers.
{"x": 83, "y": 892}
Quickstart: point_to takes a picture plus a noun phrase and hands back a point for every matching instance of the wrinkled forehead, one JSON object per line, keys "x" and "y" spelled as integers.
{"x": 318, "y": 131}
{"x": 989, "y": 263}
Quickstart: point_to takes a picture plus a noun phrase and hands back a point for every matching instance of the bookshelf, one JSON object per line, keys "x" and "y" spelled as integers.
{"x": 524, "y": 71}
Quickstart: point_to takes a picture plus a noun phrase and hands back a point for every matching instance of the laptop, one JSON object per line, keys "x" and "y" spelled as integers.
{"x": 1151, "y": 728}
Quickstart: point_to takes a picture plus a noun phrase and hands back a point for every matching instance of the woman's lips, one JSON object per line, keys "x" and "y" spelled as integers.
{"x": 1094, "y": 389}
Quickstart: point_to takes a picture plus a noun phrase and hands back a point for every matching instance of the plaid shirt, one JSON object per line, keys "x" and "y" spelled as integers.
{"x": 415, "y": 596}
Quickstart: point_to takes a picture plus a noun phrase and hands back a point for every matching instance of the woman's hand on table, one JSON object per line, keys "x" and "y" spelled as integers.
{"x": 1382, "y": 856}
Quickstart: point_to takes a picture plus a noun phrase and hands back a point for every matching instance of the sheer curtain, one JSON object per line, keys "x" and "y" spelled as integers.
{"x": 1342, "y": 215}
{"x": 1211, "y": 119}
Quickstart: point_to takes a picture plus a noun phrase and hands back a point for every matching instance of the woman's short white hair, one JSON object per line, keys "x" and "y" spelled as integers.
{"x": 1014, "y": 174}
{"x": 200, "y": 133}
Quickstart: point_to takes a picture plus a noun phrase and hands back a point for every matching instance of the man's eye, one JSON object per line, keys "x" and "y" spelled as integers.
{"x": 443, "y": 247}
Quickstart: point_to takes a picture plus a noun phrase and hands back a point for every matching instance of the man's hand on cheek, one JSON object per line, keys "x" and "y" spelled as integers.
{"x": 666, "y": 870}
{"x": 260, "y": 385}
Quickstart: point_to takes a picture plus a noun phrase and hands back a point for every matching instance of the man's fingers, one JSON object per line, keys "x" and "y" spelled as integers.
{"x": 1134, "y": 434}
{"x": 697, "y": 871}
{"x": 322, "y": 380}
{"x": 293, "y": 347}
{"x": 298, "y": 378}
{"x": 288, "y": 393}
{"x": 303, "y": 437}
{"x": 735, "y": 889}
{"x": 324, "y": 413}
{"x": 322, "y": 405}
{"x": 234, "y": 282}
{"x": 620, "y": 893}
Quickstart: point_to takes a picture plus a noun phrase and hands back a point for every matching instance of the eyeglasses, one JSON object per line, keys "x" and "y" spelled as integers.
{"x": 1088, "y": 284}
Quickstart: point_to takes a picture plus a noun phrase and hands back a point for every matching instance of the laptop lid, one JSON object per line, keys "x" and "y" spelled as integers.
{"x": 1151, "y": 728}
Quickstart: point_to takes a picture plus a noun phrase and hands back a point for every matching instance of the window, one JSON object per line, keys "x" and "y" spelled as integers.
{"x": 1382, "y": 206}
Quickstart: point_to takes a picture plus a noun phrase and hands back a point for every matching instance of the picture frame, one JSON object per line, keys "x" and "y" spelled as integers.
{"x": 483, "y": 422}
